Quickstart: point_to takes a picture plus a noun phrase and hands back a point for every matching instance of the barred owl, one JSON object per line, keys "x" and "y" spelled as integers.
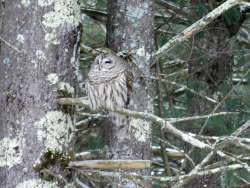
{"x": 109, "y": 83}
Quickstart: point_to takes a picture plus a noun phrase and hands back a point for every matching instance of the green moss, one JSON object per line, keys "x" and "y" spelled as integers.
{"x": 51, "y": 164}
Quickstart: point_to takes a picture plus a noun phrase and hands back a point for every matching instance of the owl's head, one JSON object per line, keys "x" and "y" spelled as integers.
{"x": 108, "y": 62}
{"x": 106, "y": 67}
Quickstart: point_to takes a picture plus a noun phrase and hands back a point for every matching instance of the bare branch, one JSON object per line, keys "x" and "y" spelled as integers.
{"x": 246, "y": 4}
{"x": 172, "y": 178}
{"x": 241, "y": 128}
{"x": 184, "y": 87}
{"x": 101, "y": 15}
{"x": 184, "y": 119}
{"x": 196, "y": 27}
{"x": 171, "y": 153}
{"x": 142, "y": 115}
{"x": 211, "y": 154}
{"x": 170, "y": 6}
{"x": 111, "y": 164}
{"x": 204, "y": 173}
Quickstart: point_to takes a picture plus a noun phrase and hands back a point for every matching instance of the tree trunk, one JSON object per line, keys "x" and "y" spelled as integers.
{"x": 38, "y": 64}
{"x": 130, "y": 28}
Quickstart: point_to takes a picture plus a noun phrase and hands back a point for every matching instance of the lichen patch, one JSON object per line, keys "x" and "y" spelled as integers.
{"x": 65, "y": 12}
{"x": 20, "y": 38}
{"x": 137, "y": 12}
{"x": 25, "y": 3}
{"x": 37, "y": 183}
{"x": 51, "y": 38}
{"x": 6, "y": 61}
{"x": 44, "y": 3}
{"x": 66, "y": 88}
{"x": 70, "y": 185}
{"x": 40, "y": 55}
{"x": 141, "y": 52}
{"x": 140, "y": 129}
{"x": 52, "y": 78}
{"x": 34, "y": 62}
{"x": 10, "y": 152}
{"x": 55, "y": 129}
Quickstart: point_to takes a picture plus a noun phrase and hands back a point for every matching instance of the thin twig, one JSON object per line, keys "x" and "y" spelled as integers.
{"x": 184, "y": 119}
{"x": 10, "y": 45}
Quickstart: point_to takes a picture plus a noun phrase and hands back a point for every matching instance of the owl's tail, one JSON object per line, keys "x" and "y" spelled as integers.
{"x": 118, "y": 119}
{"x": 116, "y": 133}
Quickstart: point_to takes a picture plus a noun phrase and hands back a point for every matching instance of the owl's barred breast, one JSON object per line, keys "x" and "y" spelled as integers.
{"x": 110, "y": 94}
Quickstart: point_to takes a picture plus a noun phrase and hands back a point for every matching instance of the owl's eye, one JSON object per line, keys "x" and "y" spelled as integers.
{"x": 107, "y": 61}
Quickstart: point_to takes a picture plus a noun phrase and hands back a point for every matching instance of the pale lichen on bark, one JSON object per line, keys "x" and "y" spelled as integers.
{"x": 10, "y": 152}
{"x": 51, "y": 38}
{"x": 37, "y": 183}
{"x": 136, "y": 12}
{"x": 53, "y": 78}
{"x": 55, "y": 130}
{"x": 140, "y": 129}
{"x": 141, "y": 52}
{"x": 66, "y": 88}
{"x": 64, "y": 12}
{"x": 25, "y": 3}
{"x": 40, "y": 55}
{"x": 20, "y": 38}
{"x": 44, "y": 3}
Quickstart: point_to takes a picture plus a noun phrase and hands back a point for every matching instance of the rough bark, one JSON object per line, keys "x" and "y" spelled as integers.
{"x": 38, "y": 61}
{"x": 130, "y": 28}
